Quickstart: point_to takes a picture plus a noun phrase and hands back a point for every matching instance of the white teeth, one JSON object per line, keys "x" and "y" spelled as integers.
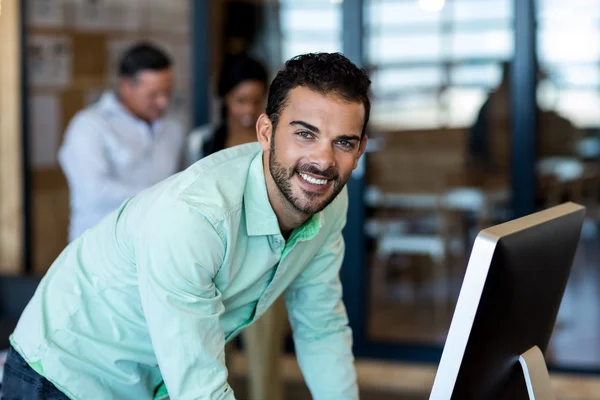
{"x": 313, "y": 180}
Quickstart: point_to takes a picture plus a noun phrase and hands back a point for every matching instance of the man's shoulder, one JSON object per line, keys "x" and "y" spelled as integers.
{"x": 216, "y": 183}
{"x": 92, "y": 114}
{"x": 241, "y": 156}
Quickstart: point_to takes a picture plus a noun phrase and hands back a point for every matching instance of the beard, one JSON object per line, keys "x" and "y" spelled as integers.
{"x": 308, "y": 203}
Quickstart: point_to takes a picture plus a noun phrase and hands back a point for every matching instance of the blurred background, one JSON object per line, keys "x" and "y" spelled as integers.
{"x": 483, "y": 111}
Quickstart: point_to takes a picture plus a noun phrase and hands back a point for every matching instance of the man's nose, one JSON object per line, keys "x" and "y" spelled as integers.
{"x": 322, "y": 156}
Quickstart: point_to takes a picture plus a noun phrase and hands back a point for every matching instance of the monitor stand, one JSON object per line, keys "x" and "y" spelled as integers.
{"x": 536, "y": 374}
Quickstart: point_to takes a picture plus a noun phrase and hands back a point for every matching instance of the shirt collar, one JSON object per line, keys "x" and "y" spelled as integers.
{"x": 260, "y": 217}
{"x": 309, "y": 229}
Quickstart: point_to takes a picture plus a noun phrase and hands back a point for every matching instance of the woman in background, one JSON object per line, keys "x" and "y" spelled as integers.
{"x": 242, "y": 89}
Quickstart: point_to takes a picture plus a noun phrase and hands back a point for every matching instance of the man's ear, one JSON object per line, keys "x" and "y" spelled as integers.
{"x": 264, "y": 131}
{"x": 361, "y": 149}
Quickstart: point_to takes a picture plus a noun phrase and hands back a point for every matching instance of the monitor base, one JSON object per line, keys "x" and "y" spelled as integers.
{"x": 536, "y": 375}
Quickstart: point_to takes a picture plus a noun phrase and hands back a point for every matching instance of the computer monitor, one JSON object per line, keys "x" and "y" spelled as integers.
{"x": 507, "y": 307}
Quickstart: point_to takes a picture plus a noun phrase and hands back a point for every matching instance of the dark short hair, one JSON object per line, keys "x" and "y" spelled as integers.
{"x": 238, "y": 68}
{"x": 140, "y": 57}
{"x": 326, "y": 73}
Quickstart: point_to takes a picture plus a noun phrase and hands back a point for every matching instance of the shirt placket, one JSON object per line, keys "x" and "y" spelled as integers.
{"x": 278, "y": 244}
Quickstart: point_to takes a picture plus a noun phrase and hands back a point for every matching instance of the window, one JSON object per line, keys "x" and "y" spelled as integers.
{"x": 568, "y": 45}
{"x": 310, "y": 26}
{"x": 454, "y": 55}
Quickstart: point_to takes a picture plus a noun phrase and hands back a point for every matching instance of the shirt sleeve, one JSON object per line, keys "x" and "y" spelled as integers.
{"x": 322, "y": 337}
{"x": 83, "y": 160}
{"x": 178, "y": 254}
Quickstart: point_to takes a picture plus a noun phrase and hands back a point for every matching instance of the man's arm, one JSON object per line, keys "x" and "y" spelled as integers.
{"x": 83, "y": 160}
{"x": 322, "y": 337}
{"x": 178, "y": 253}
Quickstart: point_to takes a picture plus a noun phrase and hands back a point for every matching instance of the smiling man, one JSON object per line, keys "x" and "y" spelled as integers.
{"x": 143, "y": 303}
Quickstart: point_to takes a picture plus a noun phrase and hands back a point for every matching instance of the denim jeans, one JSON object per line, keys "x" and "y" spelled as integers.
{"x": 21, "y": 382}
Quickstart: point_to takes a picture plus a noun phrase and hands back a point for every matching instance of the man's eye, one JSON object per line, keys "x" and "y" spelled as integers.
{"x": 305, "y": 134}
{"x": 346, "y": 144}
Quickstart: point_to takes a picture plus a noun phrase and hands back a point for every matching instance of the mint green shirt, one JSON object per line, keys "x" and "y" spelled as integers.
{"x": 144, "y": 302}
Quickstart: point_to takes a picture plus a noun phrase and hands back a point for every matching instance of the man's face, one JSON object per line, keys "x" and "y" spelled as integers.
{"x": 149, "y": 94}
{"x": 314, "y": 149}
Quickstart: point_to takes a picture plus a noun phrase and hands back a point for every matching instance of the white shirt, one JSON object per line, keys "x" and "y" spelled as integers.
{"x": 109, "y": 155}
{"x": 195, "y": 143}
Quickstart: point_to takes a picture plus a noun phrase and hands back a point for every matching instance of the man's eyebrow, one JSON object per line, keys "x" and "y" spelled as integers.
{"x": 306, "y": 125}
{"x": 348, "y": 137}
